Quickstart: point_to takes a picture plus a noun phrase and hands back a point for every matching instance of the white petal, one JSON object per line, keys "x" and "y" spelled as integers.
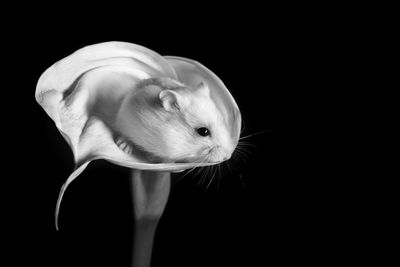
{"x": 81, "y": 94}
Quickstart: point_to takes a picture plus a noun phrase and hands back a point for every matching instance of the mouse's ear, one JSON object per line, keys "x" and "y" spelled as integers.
{"x": 171, "y": 100}
{"x": 202, "y": 88}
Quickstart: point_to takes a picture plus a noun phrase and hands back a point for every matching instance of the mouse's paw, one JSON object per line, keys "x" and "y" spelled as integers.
{"x": 124, "y": 145}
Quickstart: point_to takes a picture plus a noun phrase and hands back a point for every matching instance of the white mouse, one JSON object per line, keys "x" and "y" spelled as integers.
{"x": 166, "y": 121}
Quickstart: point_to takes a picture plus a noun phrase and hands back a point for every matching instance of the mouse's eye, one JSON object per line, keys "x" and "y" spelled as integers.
{"x": 203, "y": 131}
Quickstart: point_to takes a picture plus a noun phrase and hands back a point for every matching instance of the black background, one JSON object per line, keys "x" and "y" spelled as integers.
{"x": 280, "y": 205}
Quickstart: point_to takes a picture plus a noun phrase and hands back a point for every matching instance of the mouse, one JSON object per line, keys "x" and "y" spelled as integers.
{"x": 166, "y": 121}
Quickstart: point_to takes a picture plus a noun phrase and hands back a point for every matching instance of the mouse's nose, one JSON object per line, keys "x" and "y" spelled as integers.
{"x": 226, "y": 156}
{"x": 221, "y": 155}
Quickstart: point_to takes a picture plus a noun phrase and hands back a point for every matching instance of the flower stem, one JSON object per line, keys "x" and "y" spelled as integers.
{"x": 150, "y": 192}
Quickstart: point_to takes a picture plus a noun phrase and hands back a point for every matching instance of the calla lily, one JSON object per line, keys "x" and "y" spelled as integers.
{"x": 71, "y": 90}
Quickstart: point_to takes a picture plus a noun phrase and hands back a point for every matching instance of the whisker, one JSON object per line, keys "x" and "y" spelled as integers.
{"x": 211, "y": 177}
{"x": 242, "y": 153}
{"x": 246, "y": 144}
{"x": 251, "y": 135}
{"x": 190, "y": 170}
{"x": 243, "y": 127}
{"x": 200, "y": 161}
{"x": 245, "y": 149}
{"x": 197, "y": 173}
{"x": 229, "y": 168}
{"x": 246, "y": 152}
{"x": 239, "y": 157}
{"x": 208, "y": 173}
{"x": 203, "y": 170}
{"x": 204, "y": 180}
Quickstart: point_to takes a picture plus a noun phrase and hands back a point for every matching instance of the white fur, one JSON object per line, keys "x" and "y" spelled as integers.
{"x": 162, "y": 117}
